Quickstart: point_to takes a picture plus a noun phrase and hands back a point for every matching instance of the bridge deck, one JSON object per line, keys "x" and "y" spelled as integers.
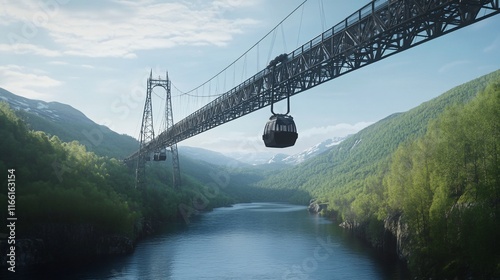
{"x": 376, "y": 31}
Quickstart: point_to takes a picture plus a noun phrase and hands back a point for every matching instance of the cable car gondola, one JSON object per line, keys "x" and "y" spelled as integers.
{"x": 160, "y": 155}
{"x": 163, "y": 155}
{"x": 280, "y": 132}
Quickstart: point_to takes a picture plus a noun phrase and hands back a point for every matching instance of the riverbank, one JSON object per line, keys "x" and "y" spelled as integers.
{"x": 245, "y": 241}
{"x": 79, "y": 246}
{"x": 389, "y": 237}
{"x": 60, "y": 243}
{"x": 69, "y": 243}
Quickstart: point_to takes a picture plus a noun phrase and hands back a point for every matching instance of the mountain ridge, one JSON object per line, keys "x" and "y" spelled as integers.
{"x": 357, "y": 157}
{"x": 70, "y": 124}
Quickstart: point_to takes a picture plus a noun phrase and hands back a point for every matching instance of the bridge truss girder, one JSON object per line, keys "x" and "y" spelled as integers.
{"x": 376, "y": 31}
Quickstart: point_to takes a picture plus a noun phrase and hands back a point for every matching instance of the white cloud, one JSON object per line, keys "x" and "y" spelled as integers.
{"x": 13, "y": 11}
{"x": 21, "y": 48}
{"x": 454, "y": 64}
{"x": 30, "y": 83}
{"x": 58, "y": 62}
{"x": 337, "y": 130}
{"x": 126, "y": 27}
{"x": 65, "y": 63}
{"x": 233, "y": 3}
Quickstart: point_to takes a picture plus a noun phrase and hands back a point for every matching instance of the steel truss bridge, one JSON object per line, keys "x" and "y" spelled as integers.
{"x": 378, "y": 30}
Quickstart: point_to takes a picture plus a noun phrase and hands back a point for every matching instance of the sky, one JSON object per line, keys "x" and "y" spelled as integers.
{"x": 97, "y": 55}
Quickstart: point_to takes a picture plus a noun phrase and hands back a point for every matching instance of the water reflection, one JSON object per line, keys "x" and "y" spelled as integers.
{"x": 246, "y": 241}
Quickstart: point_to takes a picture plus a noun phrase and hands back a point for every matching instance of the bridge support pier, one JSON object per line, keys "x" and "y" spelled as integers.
{"x": 147, "y": 138}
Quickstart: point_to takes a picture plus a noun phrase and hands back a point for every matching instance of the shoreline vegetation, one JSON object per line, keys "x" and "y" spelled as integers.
{"x": 70, "y": 200}
{"x": 435, "y": 200}
{"x": 422, "y": 185}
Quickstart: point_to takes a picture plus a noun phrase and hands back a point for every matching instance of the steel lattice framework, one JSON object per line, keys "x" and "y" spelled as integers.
{"x": 376, "y": 31}
{"x": 148, "y": 136}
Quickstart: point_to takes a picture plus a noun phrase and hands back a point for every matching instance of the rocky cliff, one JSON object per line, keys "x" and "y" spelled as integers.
{"x": 390, "y": 236}
{"x": 316, "y": 207}
{"x": 397, "y": 235}
{"x": 65, "y": 242}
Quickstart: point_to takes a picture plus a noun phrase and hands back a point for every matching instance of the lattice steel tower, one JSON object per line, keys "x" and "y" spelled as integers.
{"x": 148, "y": 136}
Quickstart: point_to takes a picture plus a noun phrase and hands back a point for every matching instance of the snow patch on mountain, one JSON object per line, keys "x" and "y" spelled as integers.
{"x": 278, "y": 158}
{"x": 36, "y": 107}
{"x": 355, "y": 144}
{"x": 313, "y": 151}
{"x": 41, "y": 106}
{"x": 283, "y": 159}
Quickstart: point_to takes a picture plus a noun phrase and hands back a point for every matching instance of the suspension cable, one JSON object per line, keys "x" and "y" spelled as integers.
{"x": 237, "y": 59}
{"x": 283, "y": 37}
{"x": 322, "y": 15}
{"x": 300, "y": 25}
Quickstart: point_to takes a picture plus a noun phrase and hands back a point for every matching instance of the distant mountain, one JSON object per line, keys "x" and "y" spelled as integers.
{"x": 251, "y": 158}
{"x": 349, "y": 163}
{"x": 267, "y": 158}
{"x": 313, "y": 151}
{"x": 277, "y": 158}
{"x": 69, "y": 124}
{"x": 211, "y": 157}
{"x": 53, "y": 111}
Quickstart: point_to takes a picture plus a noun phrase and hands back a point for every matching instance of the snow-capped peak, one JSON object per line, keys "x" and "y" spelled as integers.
{"x": 313, "y": 151}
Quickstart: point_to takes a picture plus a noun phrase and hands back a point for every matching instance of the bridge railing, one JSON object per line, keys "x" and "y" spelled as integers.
{"x": 354, "y": 18}
{"x": 391, "y": 25}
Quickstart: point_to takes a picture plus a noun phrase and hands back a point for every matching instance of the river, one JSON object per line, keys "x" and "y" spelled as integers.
{"x": 246, "y": 241}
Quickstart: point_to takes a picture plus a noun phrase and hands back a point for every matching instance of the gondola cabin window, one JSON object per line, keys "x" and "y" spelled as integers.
{"x": 280, "y": 132}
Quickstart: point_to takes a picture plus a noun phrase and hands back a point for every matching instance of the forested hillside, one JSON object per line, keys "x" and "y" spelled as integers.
{"x": 432, "y": 173}
{"x": 348, "y": 164}
{"x": 69, "y": 124}
{"x": 446, "y": 186}
{"x": 431, "y": 176}
{"x": 61, "y": 184}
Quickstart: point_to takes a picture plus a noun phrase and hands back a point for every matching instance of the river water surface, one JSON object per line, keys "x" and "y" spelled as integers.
{"x": 246, "y": 241}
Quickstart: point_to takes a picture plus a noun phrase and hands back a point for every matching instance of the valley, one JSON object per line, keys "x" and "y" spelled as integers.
{"x": 418, "y": 184}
